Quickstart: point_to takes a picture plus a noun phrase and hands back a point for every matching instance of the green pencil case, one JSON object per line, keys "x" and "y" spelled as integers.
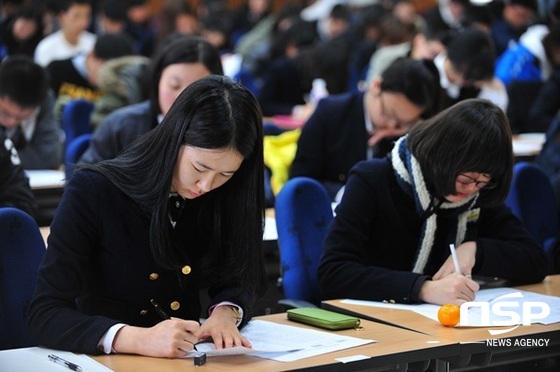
{"x": 323, "y": 318}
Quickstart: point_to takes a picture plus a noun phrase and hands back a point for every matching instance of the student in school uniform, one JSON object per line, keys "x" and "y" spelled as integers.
{"x": 72, "y": 38}
{"x": 183, "y": 60}
{"x": 181, "y": 207}
{"x": 77, "y": 77}
{"x": 27, "y": 113}
{"x": 444, "y": 183}
{"x": 350, "y": 127}
{"x": 466, "y": 69}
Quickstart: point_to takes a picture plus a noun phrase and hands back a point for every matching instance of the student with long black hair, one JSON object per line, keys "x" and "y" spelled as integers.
{"x": 181, "y": 207}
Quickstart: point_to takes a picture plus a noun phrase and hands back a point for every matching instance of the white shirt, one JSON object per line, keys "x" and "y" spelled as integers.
{"x": 56, "y": 47}
{"x": 495, "y": 93}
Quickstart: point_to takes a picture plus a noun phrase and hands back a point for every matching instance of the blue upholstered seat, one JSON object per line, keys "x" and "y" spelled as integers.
{"x": 74, "y": 151}
{"x": 76, "y": 119}
{"x": 21, "y": 250}
{"x": 303, "y": 215}
{"x": 532, "y": 199}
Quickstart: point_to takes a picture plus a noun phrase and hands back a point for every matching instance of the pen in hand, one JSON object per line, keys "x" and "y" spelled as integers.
{"x": 162, "y": 313}
{"x": 58, "y": 360}
{"x": 454, "y": 257}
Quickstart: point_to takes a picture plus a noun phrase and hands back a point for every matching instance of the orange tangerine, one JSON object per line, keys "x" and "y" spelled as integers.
{"x": 449, "y": 315}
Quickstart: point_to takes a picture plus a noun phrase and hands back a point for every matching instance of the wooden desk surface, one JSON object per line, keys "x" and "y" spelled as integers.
{"x": 473, "y": 339}
{"x": 393, "y": 346}
{"x": 417, "y": 322}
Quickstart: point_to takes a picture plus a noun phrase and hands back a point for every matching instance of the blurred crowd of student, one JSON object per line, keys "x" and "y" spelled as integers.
{"x": 126, "y": 57}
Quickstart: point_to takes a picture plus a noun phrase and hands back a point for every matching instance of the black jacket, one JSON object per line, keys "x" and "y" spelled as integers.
{"x": 372, "y": 243}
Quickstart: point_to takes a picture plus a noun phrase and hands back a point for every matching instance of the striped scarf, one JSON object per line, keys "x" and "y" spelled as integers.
{"x": 411, "y": 180}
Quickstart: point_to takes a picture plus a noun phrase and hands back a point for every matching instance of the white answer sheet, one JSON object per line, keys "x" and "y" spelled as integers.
{"x": 285, "y": 343}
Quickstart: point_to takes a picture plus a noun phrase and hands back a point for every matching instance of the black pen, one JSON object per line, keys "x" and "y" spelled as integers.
{"x": 58, "y": 360}
{"x": 159, "y": 310}
{"x": 162, "y": 313}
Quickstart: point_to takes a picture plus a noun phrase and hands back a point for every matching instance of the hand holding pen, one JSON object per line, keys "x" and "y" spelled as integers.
{"x": 454, "y": 257}
{"x": 461, "y": 261}
{"x": 163, "y": 314}
{"x": 172, "y": 338}
{"x": 452, "y": 282}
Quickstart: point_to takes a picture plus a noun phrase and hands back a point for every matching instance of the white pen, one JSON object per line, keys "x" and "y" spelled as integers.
{"x": 454, "y": 257}
{"x": 65, "y": 363}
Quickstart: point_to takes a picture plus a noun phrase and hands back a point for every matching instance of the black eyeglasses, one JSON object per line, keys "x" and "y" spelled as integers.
{"x": 465, "y": 180}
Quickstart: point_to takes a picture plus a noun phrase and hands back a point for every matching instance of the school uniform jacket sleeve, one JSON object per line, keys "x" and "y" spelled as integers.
{"x": 54, "y": 319}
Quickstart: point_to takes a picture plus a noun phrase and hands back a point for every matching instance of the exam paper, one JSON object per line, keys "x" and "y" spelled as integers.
{"x": 276, "y": 341}
{"x": 509, "y": 300}
{"x": 33, "y": 359}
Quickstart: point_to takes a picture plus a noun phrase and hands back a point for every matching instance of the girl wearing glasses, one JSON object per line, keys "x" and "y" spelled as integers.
{"x": 444, "y": 183}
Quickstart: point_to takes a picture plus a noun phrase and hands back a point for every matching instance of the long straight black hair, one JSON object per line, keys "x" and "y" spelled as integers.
{"x": 212, "y": 113}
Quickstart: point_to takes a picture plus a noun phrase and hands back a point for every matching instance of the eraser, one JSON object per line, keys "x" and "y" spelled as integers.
{"x": 199, "y": 359}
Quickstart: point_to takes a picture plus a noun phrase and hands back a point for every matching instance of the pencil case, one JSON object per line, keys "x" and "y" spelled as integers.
{"x": 323, "y": 318}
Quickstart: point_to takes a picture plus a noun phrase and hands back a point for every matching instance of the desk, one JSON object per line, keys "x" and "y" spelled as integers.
{"x": 395, "y": 349}
{"x": 47, "y": 186}
{"x": 474, "y": 349}
{"x": 528, "y": 144}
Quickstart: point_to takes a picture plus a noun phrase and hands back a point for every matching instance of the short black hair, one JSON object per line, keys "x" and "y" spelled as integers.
{"x": 64, "y": 5}
{"x": 111, "y": 45}
{"x": 417, "y": 80}
{"x": 470, "y": 136}
{"x": 529, "y": 4}
{"x": 115, "y": 10}
{"x": 23, "y": 81}
{"x": 472, "y": 54}
{"x": 340, "y": 12}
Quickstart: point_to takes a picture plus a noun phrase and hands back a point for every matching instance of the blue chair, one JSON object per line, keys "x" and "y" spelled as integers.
{"x": 74, "y": 151}
{"x": 303, "y": 214}
{"x": 532, "y": 200}
{"x": 76, "y": 119}
{"x": 21, "y": 249}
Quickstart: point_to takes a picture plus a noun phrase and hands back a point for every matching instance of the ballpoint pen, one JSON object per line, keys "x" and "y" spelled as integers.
{"x": 58, "y": 360}
{"x": 159, "y": 310}
{"x": 454, "y": 257}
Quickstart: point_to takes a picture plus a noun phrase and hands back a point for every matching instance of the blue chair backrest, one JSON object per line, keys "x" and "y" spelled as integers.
{"x": 21, "y": 249}
{"x": 76, "y": 119}
{"x": 303, "y": 214}
{"x": 74, "y": 151}
{"x": 532, "y": 199}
